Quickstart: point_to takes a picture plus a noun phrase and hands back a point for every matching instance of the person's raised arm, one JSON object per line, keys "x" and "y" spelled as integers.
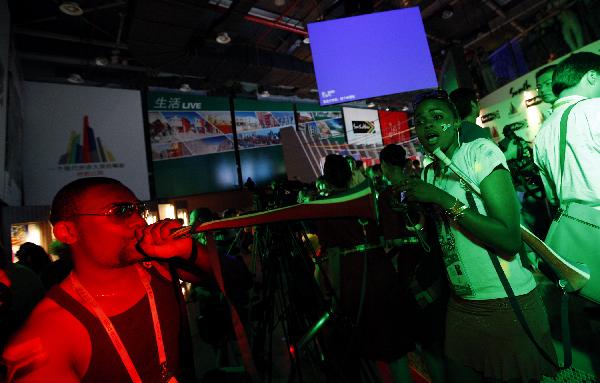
{"x": 157, "y": 242}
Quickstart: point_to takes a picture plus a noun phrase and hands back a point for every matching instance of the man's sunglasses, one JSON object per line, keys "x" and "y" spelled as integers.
{"x": 123, "y": 210}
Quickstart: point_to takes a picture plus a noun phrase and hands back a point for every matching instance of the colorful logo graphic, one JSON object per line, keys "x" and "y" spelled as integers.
{"x": 86, "y": 155}
{"x": 366, "y": 127}
{"x": 90, "y": 149}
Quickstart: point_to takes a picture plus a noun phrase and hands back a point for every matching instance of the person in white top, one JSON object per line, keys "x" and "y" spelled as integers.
{"x": 483, "y": 338}
{"x": 576, "y": 80}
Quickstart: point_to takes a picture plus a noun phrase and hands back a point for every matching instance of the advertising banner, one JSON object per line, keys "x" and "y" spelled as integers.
{"x": 258, "y": 125}
{"x": 78, "y": 131}
{"x": 362, "y": 126}
{"x": 394, "y": 127}
{"x": 321, "y": 123}
{"x": 191, "y": 139}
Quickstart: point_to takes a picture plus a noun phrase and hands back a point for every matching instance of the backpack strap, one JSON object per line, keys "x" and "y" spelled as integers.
{"x": 562, "y": 146}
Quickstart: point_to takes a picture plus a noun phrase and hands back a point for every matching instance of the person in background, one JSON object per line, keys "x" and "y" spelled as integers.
{"x": 20, "y": 290}
{"x": 543, "y": 85}
{"x": 467, "y": 104}
{"x": 575, "y": 184}
{"x": 58, "y": 270}
{"x": 417, "y": 166}
{"x": 357, "y": 171}
{"x": 535, "y": 213}
{"x": 576, "y": 81}
{"x": 411, "y": 240}
{"x": 118, "y": 316}
{"x": 363, "y": 279}
{"x": 34, "y": 257}
{"x": 376, "y": 176}
{"x": 483, "y": 339}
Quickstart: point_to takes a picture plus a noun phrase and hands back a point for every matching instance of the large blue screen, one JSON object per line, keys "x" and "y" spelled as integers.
{"x": 371, "y": 55}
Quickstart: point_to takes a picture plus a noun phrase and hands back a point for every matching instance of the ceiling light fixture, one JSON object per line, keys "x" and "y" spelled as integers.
{"x": 264, "y": 93}
{"x": 306, "y": 40}
{"x": 101, "y": 61}
{"x": 405, "y": 108}
{"x": 387, "y": 108}
{"x": 447, "y": 13}
{"x": 70, "y": 8}
{"x": 371, "y": 104}
{"x": 185, "y": 87}
{"x": 223, "y": 38}
{"x": 75, "y": 78}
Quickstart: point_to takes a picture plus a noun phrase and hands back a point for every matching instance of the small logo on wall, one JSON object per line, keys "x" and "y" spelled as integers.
{"x": 175, "y": 103}
{"x": 363, "y": 126}
{"x": 513, "y": 92}
{"x": 533, "y": 101}
{"x": 490, "y": 116}
{"x": 513, "y": 109}
{"x": 516, "y": 126}
{"x": 86, "y": 154}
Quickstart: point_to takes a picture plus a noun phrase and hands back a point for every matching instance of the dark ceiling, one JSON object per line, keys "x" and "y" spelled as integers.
{"x": 165, "y": 43}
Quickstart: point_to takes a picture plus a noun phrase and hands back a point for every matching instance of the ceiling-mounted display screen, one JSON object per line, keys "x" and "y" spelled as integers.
{"x": 371, "y": 55}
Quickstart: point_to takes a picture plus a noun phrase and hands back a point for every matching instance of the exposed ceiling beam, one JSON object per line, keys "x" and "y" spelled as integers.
{"x": 76, "y": 61}
{"x": 526, "y": 9}
{"x": 74, "y": 39}
{"x": 500, "y": 13}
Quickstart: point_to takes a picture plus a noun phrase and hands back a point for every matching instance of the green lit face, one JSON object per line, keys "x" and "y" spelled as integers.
{"x": 435, "y": 124}
{"x": 544, "y": 87}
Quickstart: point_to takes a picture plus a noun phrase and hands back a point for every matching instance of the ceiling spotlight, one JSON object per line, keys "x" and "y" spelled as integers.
{"x": 405, "y": 108}
{"x": 306, "y": 40}
{"x": 185, "y": 87}
{"x": 313, "y": 90}
{"x": 75, "y": 78}
{"x": 387, "y": 108}
{"x": 371, "y": 104}
{"x": 447, "y": 13}
{"x": 264, "y": 93}
{"x": 101, "y": 61}
{"x": 70, "y": 8}
{"x": 223, "y": 38}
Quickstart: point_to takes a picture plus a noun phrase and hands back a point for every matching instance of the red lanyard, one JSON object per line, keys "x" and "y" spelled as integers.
{"x": 91, "y": 304}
